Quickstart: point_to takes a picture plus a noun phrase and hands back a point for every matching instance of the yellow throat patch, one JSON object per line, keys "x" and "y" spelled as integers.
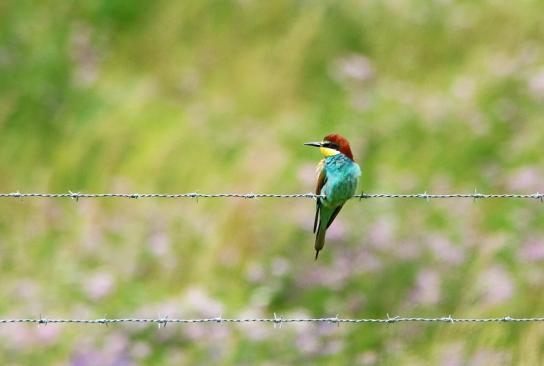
{"x": 328, "y": 152}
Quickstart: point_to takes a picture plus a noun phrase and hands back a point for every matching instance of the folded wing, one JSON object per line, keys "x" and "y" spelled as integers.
{"x": 321, "y": 180}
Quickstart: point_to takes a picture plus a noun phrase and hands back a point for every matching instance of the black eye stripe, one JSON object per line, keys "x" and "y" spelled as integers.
{"x": 331, "y": 145}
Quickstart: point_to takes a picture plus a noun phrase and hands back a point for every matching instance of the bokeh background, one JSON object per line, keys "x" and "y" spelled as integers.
{"x": 218, "y": 96}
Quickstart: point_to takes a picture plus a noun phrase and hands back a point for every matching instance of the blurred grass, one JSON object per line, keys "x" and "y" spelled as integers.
{"x": 205, "y": 96}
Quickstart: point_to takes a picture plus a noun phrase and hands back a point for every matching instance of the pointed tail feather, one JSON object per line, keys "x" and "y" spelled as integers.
{"x": 320, "y": 239}
{"x": 326, "y": 217}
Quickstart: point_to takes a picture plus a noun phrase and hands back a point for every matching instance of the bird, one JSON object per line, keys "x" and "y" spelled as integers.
{"x": 337, "y": 179}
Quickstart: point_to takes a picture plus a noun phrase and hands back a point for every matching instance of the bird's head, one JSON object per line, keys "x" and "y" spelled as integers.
{"x": 333, "y": 144}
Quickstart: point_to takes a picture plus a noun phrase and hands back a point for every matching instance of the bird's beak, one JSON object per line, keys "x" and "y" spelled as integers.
{"x": 314, "y": 144}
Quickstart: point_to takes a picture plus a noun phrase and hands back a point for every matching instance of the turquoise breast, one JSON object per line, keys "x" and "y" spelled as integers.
{"x": 342, "y": 177}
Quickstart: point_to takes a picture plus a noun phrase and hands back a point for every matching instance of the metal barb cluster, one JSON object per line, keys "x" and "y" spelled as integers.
{"x": 277, "y": 320}
{"x": 426, "y": 196}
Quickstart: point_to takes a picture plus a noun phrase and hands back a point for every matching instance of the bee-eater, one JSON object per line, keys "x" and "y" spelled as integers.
{"x": 337, "y": 178}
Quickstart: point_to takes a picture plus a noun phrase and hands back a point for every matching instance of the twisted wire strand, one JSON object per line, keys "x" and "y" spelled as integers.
{"x": 426, "y": 196}
{"x": 276, "y": 320}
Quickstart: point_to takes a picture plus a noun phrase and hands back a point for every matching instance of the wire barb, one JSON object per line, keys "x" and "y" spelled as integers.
{"x": 278, "y": 321}
{"x": 335, "y": 320}
{"x": 74, "y": 195}
{"x": 393, "y": 319}
{"x": 162, "y": 321}
{"x": 449, "y": 319}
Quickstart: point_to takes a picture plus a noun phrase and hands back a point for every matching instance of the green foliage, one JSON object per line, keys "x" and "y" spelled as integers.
{"x": 218, "y": 96}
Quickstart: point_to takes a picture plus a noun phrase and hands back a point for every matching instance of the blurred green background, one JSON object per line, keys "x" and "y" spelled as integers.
{"x": 218, "y": 96}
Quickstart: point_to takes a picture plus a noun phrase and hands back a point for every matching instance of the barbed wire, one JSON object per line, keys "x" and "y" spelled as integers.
{"x": 426, "y": 196}
{"x": 276, "y": 320}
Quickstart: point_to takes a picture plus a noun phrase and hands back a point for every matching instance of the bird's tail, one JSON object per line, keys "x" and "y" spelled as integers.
{"x": 320, "y": 238}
